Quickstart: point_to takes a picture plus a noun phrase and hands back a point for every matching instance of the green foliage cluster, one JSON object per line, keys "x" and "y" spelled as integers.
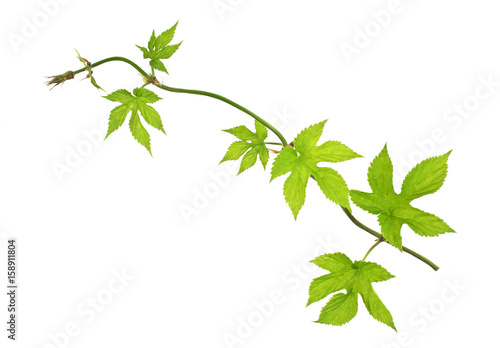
{"x": 159, "y": 49}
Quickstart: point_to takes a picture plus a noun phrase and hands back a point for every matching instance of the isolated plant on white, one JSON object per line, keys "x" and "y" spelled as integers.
{"x": 305, "y": 159}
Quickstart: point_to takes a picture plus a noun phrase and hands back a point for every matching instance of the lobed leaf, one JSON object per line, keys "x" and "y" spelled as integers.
{"x": 302, "y": 162}
{"x": 137, "y": 103}
{"x": 355, "y": 278}
{"x": 158, "y": 48}
{"x": 394, "y": 210}
{"x": 251, "y": 146}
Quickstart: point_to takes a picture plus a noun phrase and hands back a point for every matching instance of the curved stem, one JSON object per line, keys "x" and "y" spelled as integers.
{"x": 151, "y": 79}
{"x": 230, "y": 102}
{"x": 190, "y": 91}
{"x": 379, "y": 235}
{"x": 119, "y": 59}
{"x": 379, "y": 240}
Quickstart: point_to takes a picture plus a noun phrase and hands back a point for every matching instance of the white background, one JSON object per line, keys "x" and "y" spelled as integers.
{"x": 118, "y": 209}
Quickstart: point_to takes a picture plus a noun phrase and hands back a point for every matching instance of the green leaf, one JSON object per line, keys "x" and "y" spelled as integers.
{"x": 394, "y": 210}
{"x": 302, "y": 161}
{"x": 355, "y": 278}
{"x": 251, "y": 145}
{"x": 159, "y": 48}
{"x": 137, "y": 103}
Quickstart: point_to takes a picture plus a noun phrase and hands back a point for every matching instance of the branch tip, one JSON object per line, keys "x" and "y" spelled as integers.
{"x": 60, "y": 79}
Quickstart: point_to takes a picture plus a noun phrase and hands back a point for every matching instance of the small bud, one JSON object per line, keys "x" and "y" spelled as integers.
{"x": 60, "y": 79}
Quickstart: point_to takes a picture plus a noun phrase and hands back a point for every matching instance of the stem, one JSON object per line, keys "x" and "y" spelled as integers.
{"x": 271, "y": 143}
{"x": 191, "y": 91}
{"x": 230, "y": 102}
{"x": 150, "y": 78}
{"x": 379, "y": 240}
{"x": 378, "y": 235}
{"x": 120, "y": 59}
